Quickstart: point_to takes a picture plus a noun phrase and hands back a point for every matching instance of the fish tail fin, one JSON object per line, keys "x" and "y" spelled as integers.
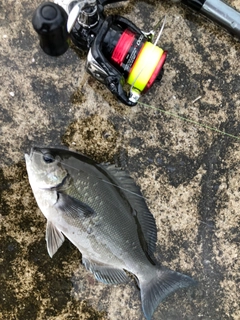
{"x": 159, "y": 286}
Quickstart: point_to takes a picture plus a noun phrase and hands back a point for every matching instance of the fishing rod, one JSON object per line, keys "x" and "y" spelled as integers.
{"x": 217, "y": 11}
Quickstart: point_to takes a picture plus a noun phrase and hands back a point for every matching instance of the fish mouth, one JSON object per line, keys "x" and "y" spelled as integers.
{"x": 34, "y": 150}
{"x": 28, "y": 156}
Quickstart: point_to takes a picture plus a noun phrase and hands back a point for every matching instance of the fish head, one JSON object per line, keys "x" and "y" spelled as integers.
{"x": 45, "y": 169}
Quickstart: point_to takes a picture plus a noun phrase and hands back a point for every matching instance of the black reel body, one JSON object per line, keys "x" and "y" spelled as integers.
{"x": 119, "y": 52}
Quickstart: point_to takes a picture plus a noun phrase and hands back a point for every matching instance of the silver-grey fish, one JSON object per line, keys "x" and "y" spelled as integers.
{"x": 102, "y": 212}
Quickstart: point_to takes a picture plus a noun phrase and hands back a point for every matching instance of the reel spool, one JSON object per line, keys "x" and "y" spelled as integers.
{"x": 139, "y": 60}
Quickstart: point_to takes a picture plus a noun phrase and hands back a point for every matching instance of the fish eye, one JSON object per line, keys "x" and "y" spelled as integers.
{"x": 48, "y": 158}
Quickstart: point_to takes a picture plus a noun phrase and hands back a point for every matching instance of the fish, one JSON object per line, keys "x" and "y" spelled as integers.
{"x": 102, "y": 211}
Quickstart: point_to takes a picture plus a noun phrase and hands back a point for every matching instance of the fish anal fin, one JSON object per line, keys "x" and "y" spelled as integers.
{"x": 105, "y": 273}
{"x": 54, "y": 238}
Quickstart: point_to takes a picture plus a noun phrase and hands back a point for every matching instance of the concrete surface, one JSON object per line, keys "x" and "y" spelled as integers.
{"x": 188, "y": 173}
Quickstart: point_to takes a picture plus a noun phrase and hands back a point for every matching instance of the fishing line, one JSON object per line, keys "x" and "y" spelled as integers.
{"x": 93, "y": 176}
{"x": 175, "y": 115}
{"x": 169, "y": 113}
{"x": 165, "y": 207}
{"x": 115, "y": 185}
{"x": 151, "y": 51}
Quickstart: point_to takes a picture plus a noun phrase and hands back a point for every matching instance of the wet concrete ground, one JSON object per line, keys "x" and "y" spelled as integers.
{"x": 188, "y": 173}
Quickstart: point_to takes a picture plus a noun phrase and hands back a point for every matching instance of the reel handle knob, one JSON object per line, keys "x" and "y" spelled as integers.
{"x": 50, "y": 22}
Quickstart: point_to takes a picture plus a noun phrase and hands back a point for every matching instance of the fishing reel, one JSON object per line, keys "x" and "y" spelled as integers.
{"x": 120, "y": 55}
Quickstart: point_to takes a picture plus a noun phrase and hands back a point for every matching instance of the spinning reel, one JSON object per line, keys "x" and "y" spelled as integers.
{"x": 120, "y": 55}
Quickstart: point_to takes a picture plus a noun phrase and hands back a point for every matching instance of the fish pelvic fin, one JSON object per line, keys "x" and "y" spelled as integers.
{"x": 157, "y": 288}
{"x": 54, "y": 238}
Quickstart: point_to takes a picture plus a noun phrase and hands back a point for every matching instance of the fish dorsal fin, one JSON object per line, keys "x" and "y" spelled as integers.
{"x": 54, "y": 238}
{"x": 132, "y": 192}
{"x": 105, "y": 273}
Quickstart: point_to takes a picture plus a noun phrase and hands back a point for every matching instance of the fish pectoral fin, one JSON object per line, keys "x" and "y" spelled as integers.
{"x": 73, "y": 206}
{"x": 105, "y": 273}
{"x": 54, "y": 238}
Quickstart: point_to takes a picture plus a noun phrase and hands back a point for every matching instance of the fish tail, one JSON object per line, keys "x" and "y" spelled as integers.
{"x": 158, "y": 286}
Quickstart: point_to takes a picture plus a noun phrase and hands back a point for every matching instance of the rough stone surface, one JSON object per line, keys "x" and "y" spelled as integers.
{"x": 183, "y": 153}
